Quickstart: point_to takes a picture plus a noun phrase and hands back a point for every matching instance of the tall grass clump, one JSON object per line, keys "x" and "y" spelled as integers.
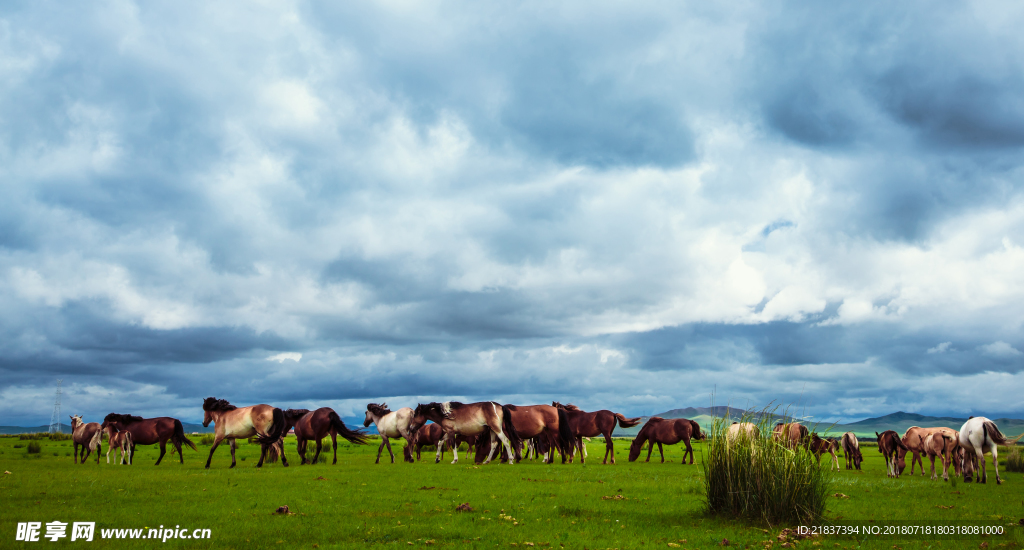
{"x": 206, "y": 439}
{"x": 761, "y": 480}
{"x": 1014, "y": 460}
{"x": 34, "y": 447}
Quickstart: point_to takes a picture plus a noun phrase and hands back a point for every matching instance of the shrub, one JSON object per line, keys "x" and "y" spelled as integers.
{"x": 761, "y": 480}
{"x": 1014, "y": 461}
{"x": 59, "y": 437}
{"x": 206, "y": 439}
{"x": 30, "y": 437}
{"x": 34, "y": 447}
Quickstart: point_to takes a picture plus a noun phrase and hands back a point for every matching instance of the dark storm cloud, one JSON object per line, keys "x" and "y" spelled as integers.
{"x": 626, "y": 206}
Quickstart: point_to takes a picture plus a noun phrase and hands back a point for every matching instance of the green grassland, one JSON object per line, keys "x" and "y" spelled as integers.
{"x": 357, "y": 504}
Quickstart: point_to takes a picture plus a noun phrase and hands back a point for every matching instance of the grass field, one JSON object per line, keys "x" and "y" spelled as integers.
{"x": 357, "y": 504}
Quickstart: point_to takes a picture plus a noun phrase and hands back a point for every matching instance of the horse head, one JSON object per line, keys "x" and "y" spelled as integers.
{"x": 211, "y": 405}
{"x": 76, "y": 420}
{"x": 635, "y": 447}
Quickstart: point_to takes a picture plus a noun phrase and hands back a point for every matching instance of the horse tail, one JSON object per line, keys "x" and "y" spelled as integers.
{"x": 900, "y": 444}
{"x": 627, "y": 422}
{"x": 509, "y": 429}
{"x": 179, "y": 436}
{"x": 276, "y": 429}
{"x": 97, "y": 438}
{"x": 566, "y": 440}
{"x": 997, "y": 436}
{"x": 354, "y": 436}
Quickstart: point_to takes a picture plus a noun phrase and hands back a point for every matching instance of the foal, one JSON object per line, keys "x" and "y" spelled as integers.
{"x": 119, "y": 440}
{"x": 889, "y": 444}
{"x": 821, "y": 446}
{"x": 851, "y": 448}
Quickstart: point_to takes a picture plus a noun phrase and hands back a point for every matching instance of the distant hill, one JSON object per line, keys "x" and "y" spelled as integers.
{"x": 7, "y": 430}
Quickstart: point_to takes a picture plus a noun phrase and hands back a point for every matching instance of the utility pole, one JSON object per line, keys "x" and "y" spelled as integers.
{"x": 55, "y": 419}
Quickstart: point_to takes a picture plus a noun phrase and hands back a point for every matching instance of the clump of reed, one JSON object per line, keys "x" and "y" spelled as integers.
{"x": 1014, "y": 460}
{"x": 761, "y": 480}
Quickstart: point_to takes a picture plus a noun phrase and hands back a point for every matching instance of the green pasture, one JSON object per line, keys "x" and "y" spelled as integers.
{"x": 357, "y": 504}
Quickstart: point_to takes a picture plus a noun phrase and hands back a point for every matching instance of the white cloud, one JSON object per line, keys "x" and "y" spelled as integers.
{"x": 286, "y": 356}
{"x": 1000, "y": 349}
{"x": 942, "y": 348}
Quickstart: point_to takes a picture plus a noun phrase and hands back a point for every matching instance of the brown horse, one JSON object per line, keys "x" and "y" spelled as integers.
{"x": 316, "y": 425}
{"x": 790, "y": 434}
{"x": 940, "y": 444}
{"x": 889, "y": 444}
{"x": 659, "y": 430}
{"x": 231, "y": 422}
{"x": 547, "y": 425}
{"x": 431, "y": 435}
{"x": 89, "y": 436}
{"x": 913, "y": 438}
{"x": 470, "y": 419}
{"x": 150, "y": 431}
{"x": 851, "y": 448}
{"x": 593, "y": 424}
{"x": 819, "y": 446}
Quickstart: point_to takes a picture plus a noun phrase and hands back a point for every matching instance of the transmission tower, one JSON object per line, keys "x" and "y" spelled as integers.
{"x": 55, "y": 419}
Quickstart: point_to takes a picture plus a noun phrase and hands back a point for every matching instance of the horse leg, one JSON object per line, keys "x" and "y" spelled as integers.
{"x": 263, "y": 455}
{"x": 319, "y": 447}
{"x": 689, "y": 450}
{"x": 995, "y": 464}
{"x": 608, "y": 448}
{"x": 213, "y": 447}
{"x": 662, "y": 451}
{"x": 334, "y": 444}
{"x": 163, "y": 449}
{"x": 388, "y": 443}
{"x": 380, "y": 449}
{"x": 494, "y": 439}
{"x": 99, "y": 450}
{"x": 508, "y": 447}
{"x": 650, "y": 449}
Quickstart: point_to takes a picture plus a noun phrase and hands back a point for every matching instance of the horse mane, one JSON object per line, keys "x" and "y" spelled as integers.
{"x": 571, "y": 407}
{"x": 122, "y": 418}
{"x": 214, "y": 404}
{"x": 379, "y": 410}
{"x": 296, "y": 413}
{"x": 448, "y": 406}
{"x": 512, "y": 407}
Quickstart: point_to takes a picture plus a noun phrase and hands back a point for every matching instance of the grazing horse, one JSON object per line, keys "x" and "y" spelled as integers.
{"x": 659, "y": 430}
{"x": 316, "y": 425}
{"x": 119, "y": 440}
{"x": 593, "y": 424}
{"x": 231, "y": 422}
{"x": 820, "y": 446}
{"x": 942, "y": 445}
{"x": 390, "y": 424}
{"x": 432, "y": 434}
{"x": 790, "y": 435}
{"x": 149, "y": 431}
{"x": 89, "y": 436}
{"x": 742, "y": 431}
{"x": 851, "y": 448}
{"x": 889, "y": 444}
{"x": 913, "y": 438}
{"x": 471, "y": 419}
{"x": 978, "y": 436}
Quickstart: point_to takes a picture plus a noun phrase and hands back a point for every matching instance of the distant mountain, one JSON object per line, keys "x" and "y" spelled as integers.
{"x": 7, "y": 430}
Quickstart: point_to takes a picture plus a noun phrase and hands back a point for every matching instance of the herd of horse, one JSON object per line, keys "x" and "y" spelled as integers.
{"x": 514, "y": 432}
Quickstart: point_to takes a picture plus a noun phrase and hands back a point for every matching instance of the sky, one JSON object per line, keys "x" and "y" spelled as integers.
{"x": 623, "y": 206}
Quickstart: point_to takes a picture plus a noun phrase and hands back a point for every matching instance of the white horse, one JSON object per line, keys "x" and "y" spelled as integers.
{"x": 743, "y": 431}
{"x": 391, "y": 424}
{"x": 980, "y": 435}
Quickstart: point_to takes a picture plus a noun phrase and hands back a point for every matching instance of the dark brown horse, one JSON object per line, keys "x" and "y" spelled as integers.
{"x": 790, "y": 435}
{"x": 431, "y": 435}
{"x": 88, "y": 436}
{"x": 316, "y": 425}
{"x": 819, "y": 446}
{"x": 150, "y": 431}
{"x": 231, "y": 422}
{"x": 548, "y": 425}
{"x": 593, "y": 424}
{"x": 664, "y": 431}
{"x": 889, "y": 444}
{"x": 851, "y": 448}
{"x": 470, "y": 419}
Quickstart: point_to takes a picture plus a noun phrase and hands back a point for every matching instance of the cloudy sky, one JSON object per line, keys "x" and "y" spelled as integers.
{"x": 624, "y": 206}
